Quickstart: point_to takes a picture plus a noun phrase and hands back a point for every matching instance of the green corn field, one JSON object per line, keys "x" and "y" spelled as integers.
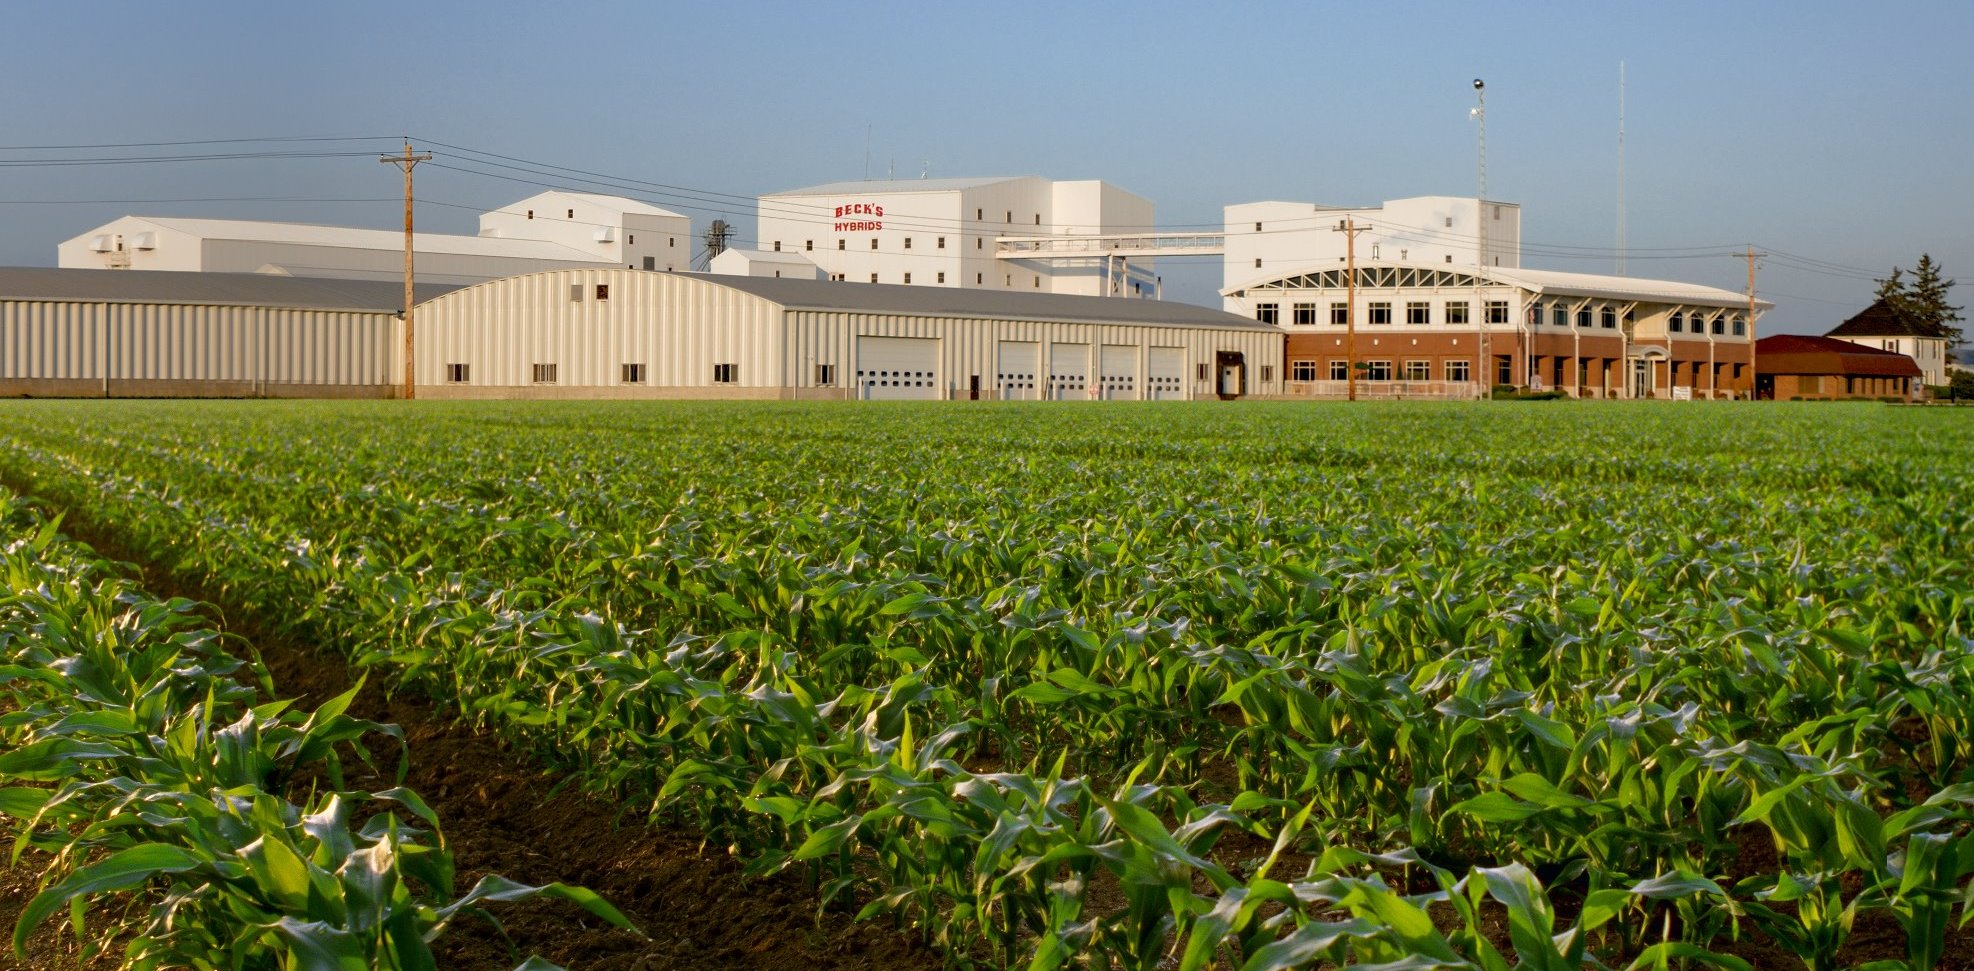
{"x": 1139, "y": 686}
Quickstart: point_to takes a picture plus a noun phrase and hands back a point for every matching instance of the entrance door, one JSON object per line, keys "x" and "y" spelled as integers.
{"x": 1641, "y": 379}
{"x": 1230, "y": 380}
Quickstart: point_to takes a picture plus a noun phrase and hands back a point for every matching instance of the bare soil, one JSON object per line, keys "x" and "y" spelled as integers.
{"x": 694, "y": 904}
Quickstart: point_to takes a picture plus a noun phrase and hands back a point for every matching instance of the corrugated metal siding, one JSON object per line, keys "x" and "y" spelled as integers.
{"x": 677, "y": 326}
{"x": 46, "y": 340}
{"x": 972, "y": 346}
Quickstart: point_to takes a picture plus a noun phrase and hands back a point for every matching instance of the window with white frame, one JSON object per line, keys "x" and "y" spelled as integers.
{"x": 1418, "y": 312}
{"x": 726, "y": 373}
{"x": 1456, "y": 312}
{"x": 1339, "y": 313}
{"x": 1302, "y": 370}
{"x": 1268, "y": 313}
{"x": 1559, "y": 315}
{"x": 633, "y": 374}
{"x": 1497, "y": 311}
{"x": 1459, "y": 370}
{"x": 457, "y": 373}
{"x": 1305, "y": 314}
{"x": 1418, "y": 370}
{"x": 1267, "y": 373}
{"x": 1609, "y": 318}
{"x": 1740, "y": 326}
{"x": 1377, "y": 370}
{"x": 1380, "y": 312}
{"x": 1718, "y": 324}
{"x": 544, "y": 374}
{"x": 1677, "y": 323}
{"x": 825, "y": 375}
{"x": 1339, "y": 370}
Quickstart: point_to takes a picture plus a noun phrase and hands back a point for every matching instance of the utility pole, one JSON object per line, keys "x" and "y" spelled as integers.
{"x": 1751, "y": 254}
{"x": 1350, "y": 229}
{"x": 407, "y": 161}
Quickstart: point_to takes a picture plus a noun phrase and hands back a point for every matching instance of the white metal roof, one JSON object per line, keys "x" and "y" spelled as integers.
{"x": 618, "y": 203}
{"x": 36, "y": 283}
{"x": 887, "y": 298}
{"x": 768, "y": 256}
{"x": 312, "y": 234}
{"x": 896, "y": 185}
{"x": 1624, "y": 287}
{"x": 1554, "y": 282}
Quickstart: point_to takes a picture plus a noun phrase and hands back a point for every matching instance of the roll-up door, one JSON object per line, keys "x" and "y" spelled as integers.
{"x": 1016, "y": 376}
{"x": 1119, "y": 371}
{"x": 1069, "y": 372}
{"x": 1165, "y": 369}
{"x": 898, "y": 368}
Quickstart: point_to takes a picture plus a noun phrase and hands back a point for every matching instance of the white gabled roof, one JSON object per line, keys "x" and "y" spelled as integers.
{"x": 311, "y": 234}
{"x": 767, "y": 256}
{"x": 618, "y": 203}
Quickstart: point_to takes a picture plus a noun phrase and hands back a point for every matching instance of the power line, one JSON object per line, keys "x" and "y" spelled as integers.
{"x": 200, "y": 141}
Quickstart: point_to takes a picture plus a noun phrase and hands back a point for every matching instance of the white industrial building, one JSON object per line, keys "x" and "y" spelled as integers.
{"x": 764, "y": 263}
{"x": 621, "y": 333}
{"x": 944, "y": 233}
{"x": 610, "y": 333}
{"x": 547, "y": 231}
{"x": 1427, "y": 231}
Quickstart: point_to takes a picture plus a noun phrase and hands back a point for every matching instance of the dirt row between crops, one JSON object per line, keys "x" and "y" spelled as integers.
{"x": 693, "y": 902}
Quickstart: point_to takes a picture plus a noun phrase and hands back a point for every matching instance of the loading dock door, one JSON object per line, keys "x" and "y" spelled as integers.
{"x": 1017, "y": 370}
{"x": 1165, "y": 370}
{"x": 898, "y": 368}
{"x": 1119, "y": 364}
{"x": 1069, "y": 372}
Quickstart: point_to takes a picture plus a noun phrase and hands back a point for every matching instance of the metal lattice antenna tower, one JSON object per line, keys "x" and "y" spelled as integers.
{"x": 1621, "y": 231}
{"x": 716, "y": 238}
{"x": 1484, "y": 351}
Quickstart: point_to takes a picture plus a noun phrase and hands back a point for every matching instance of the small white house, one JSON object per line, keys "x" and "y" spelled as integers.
{"x": 1883, "y": 327}
{"x": 765, "y": 263}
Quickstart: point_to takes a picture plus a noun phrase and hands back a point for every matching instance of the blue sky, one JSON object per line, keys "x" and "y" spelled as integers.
{"x": 1833, "y": 133}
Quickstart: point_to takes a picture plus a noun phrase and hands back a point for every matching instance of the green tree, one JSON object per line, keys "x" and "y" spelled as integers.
{"x": 1924, "y": 299}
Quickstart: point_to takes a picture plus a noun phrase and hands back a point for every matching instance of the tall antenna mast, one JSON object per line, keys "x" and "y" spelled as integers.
{"x": 1484, "y": 379}
{"x": 1621, "y": 233}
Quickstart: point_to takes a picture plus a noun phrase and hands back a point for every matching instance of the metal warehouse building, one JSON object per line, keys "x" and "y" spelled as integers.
{"x": 623, "y": 333}
{"x": 110, "y": 333}
{"x": 610, "y": 333}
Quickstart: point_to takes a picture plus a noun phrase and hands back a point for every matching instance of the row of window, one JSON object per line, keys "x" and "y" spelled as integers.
{"x": 1380, "y": 312}
{"x": 1697, "y": 324}
{"x": 1378, "y": 371}
{"x": 809, "y": 245}
{"x": 630, "y": 373}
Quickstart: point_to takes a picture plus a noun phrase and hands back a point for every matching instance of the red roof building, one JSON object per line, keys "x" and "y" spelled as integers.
{"x": 1798, "y": 366}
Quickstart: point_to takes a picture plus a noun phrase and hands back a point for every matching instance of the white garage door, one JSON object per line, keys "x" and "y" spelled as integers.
{"x": 1119, "y": 372}
{"x": 1165, "y": 369}
{"x": 898, "y": 368}
{"x": 1069, "y": 372}
{"x": 1017, "y": 375}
